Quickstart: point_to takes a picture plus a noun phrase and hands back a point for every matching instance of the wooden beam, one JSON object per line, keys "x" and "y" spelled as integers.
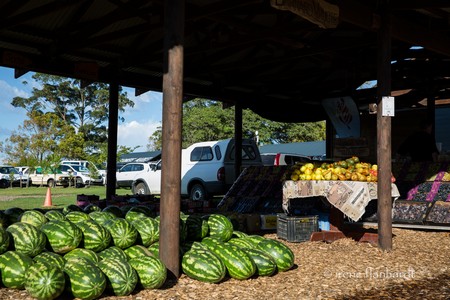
{"x": 169, "y": 243}
{"x": 112, "y": 140}
{"x": 384, "y": 135}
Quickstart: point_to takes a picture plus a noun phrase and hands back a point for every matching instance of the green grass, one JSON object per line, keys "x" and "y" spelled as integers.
{"x": 34, "y": 197}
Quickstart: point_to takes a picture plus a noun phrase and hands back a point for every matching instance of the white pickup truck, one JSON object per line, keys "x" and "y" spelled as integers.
{"x": 207, "y": 169}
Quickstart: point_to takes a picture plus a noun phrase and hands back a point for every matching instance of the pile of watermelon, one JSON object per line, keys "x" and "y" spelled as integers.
{"x": 89, "y": 252}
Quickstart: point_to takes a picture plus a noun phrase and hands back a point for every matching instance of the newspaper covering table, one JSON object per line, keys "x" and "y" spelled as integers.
{"x": 350, "y": 197}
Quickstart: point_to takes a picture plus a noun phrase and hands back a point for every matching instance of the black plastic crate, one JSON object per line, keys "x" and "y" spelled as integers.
{"x": 296, "y": 228}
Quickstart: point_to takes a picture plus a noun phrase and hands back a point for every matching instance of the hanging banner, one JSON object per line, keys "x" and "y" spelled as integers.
{"x": 344, "y": 115}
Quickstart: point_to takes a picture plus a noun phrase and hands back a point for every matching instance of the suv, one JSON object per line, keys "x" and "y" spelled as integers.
{"x": 283, "y": 159}
{"x": 9, "y": 172}
{"x": 207, "y": 169}
{"x": 126, "y": 174}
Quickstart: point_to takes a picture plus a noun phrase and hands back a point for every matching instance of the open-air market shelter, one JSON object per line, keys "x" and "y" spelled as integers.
{"x": 279, "y": 58}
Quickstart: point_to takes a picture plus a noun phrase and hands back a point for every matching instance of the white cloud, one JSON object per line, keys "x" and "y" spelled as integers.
{"x": 134, "y": 134}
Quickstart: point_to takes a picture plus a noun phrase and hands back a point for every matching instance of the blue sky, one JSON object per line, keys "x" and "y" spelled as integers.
{"x": 140, "y": 121}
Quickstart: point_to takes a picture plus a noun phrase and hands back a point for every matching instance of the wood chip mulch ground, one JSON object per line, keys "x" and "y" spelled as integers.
{"x": 418, "y": 267}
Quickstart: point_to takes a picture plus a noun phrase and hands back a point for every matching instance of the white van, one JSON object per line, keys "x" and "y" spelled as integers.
{"x": 207, "y": 169}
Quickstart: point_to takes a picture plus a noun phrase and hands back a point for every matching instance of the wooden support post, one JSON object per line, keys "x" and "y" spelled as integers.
{"x": 113, "y": 118}
{"x": 384, "y": 133}
{"x": 169, "y": 243}
{"x": 237, "y": 139}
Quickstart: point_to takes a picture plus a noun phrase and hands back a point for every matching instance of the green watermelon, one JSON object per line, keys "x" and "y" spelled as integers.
{"x": 70, "y": 207}
{"x": 115, "y": 210}
{"x": 13, "y": 214}
{"x": 45, "y": 281}
{"x": 95, "y": 236}
{"x": 86, "y": 280}
{"x": 203, "y": 265}
{"x": 33, "y": 217}
{"x": 239, "y": 234}
{"x": 13, "y": 267}
{"x": 101, "y": 217}
{"x": 137, "y": 212}
{"x": 281, "y": 254}
{"x": 254, "y": 239}
{"x": 4, "y": 221}
{"x": 137, "y": 251}
{"x": 83, "y": 253}
{"x": 62, "y": 235}
{"x": 77, "y": 216}
{"x": 238, "y": 263}
{"x": 27, "y": 239}
{"x": 192, "y": 245}
{"x": 154, "y": 249}
{"x": 148, "y": 230}
{"x": 112, "y": 252}
{"x": 4, "y": 240}
{"x": 151, "y": 271}
{"x": 54, "y": 215}
{"x": 197, "y": 228}
{"x": 241, "y": 242}
{"x": 265, "y": 264}
{"x": 123, "y": 234}
{"x": 52, "y": 258}
{"x": 91, "y": 207}
{"x": 220, "y": 226}
{"x": 121, "y": 277}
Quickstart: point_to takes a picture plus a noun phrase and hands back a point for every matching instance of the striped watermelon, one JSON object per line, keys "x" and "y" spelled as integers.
{"x": 238, "y": 263}
{"x": 192, "y": 245}
{"x": 241, "y": 242}
{"x": 239, "y": 234}
{"x": 45, "y": 281}
{"x": 52, "y": 258}
{"x": 27, "y": 239}
{"x": 148, "y": 229}
{"x": 33, "y": 217}
{"x": 254, "y": 239}
{"x": 121, "y": 277}
{"x": 13, "y": 214}
{"x": 151, "y": 271}
{"x": 77, "y": 216}
{"x": 123, "y": 234}
{"x": 282, "y": 254}
{"x": 113, "y": 252}
{"x": 4, "y": 240}
{"x": 115, "y": 210}
{"x": 54, "y": 215}
{"x": 197, "y": 228}
{"x": 203, "y": 265}
{"x": 137, "y": 251}
{"x": 86, "y": 280}
{"x": 137, "y": 212}
{"x": 101, "y": 217}
{"x": 95, "y": 236}
{"x": 91, "y": 207}
{"x": 220, "y": 226}
{"x": 154, "y": 249}
{"x": 265, "y": 264}
{"x": 83, "y": 253}
{"x": 70, "y": 207}
{"x": 62, "y": 235}
{"x": 13, "y": 267}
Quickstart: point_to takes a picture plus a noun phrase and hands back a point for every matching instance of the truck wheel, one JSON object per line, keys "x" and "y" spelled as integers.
{"x": 198, "y": 193}
{"x": 140, "y": 189}
{"x": 51, "y": 183}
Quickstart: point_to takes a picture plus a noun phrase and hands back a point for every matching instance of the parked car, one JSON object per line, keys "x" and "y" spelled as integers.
{"x": 46, "y": 176}
{"x": 283, "y": 159}
{"x": 129, "y": 172}
{"x": 81, "y": 172}
{"x": 88, "y": 165}
{"x": 207, "y": 169}
{"x": 18, "y": 179}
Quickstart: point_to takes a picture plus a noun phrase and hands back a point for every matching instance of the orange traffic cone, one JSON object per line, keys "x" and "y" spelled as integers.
{"x": 48, "y": 198}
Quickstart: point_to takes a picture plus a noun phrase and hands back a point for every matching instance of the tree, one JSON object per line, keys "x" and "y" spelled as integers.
{"x": 84, "y": 109}
{"x": 206, "y": 120}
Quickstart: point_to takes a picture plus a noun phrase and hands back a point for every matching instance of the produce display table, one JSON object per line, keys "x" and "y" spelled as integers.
{"x": 347, "y": 198}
